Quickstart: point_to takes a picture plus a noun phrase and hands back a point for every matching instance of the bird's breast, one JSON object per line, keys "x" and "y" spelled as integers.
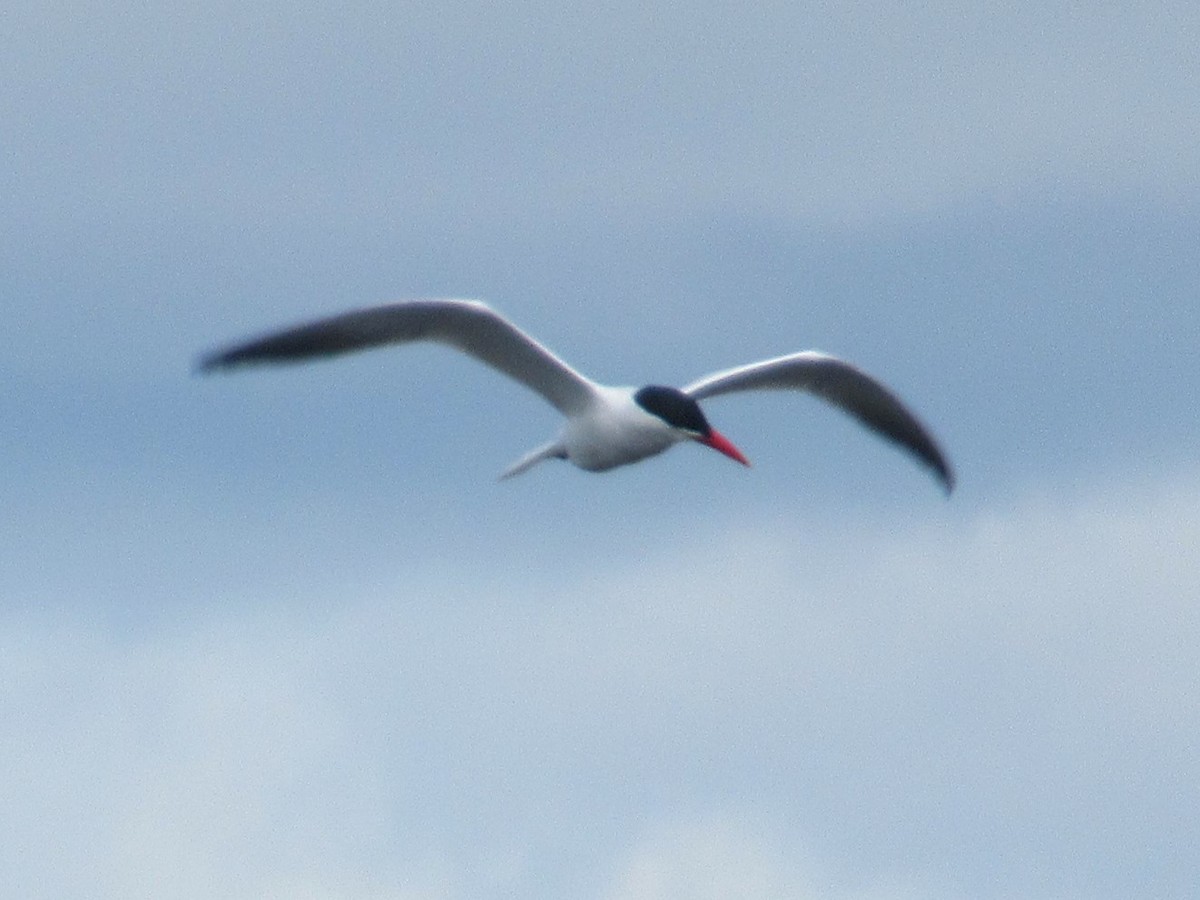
{"x": 614, "y": 434}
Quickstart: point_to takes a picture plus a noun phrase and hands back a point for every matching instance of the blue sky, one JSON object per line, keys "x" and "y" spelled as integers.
{"x": 282, "y": 634}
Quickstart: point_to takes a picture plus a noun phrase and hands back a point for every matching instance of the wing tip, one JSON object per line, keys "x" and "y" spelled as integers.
{"x": 221, "y": 361}
{"x": 209, "y": 363}
{"x": 948, "y": 481}
{"x": 942, "y": 471}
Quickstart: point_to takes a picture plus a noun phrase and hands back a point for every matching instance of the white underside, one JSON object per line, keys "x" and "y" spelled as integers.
{"x": 613, "y": 431}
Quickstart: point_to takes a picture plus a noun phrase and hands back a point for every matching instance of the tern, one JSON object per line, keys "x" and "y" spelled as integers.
{"x": 605, "y": 426}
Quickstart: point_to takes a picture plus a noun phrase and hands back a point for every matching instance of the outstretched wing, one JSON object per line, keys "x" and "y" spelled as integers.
{"x": 846, "y": 387}
{"x": 467, "y": 325}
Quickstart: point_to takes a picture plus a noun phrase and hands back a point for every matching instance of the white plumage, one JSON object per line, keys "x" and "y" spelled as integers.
{"x": 605, "y": 426}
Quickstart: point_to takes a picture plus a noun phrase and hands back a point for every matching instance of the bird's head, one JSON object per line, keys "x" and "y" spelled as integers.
{"x": 683, "y": 414}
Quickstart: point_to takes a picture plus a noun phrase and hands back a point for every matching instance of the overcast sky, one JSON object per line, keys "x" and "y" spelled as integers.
{"x": 282, "y": 633}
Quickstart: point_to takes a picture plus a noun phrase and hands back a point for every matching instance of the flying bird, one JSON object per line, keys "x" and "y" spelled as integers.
{"x": 605, "y": 426}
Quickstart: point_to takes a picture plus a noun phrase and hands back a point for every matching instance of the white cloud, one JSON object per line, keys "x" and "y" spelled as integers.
{"x": 706, "y": 860}
{"x": 817, "y": 112}
{"x": 729, "y": 857}
{"x": 1007, "y": 700}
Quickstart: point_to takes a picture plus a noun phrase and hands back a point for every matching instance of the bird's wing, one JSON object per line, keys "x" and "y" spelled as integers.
{"x": 841, "y": 384}
{"x": 469, "y": 326}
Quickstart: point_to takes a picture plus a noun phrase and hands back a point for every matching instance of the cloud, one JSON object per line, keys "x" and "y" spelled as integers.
{"x": 425, "y": 120}
{"x": 705, "y": 860}
{"x": 223, "y": 676}
{"x": 1009, "y": 699}
{"x": 730, "y": 856}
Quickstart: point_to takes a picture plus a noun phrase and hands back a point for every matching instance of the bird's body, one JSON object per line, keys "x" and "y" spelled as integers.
{"x": 604, "y": 426}
{"x": 616, "y": 431}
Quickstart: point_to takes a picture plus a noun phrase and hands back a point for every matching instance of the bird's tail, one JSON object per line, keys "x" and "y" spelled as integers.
{"x": 552, "y": 450}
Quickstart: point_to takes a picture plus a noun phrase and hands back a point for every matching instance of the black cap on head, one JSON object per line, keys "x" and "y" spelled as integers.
{"x": 674, "y": 407}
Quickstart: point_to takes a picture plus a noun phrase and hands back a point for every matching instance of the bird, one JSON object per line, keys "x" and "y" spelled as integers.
{"x": 605, "y": 426}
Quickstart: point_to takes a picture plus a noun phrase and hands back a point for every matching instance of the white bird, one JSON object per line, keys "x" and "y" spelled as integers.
{"x": 605, "y": 426}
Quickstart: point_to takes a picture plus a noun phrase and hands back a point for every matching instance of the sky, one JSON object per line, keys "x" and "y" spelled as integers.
{"x": 283, "y": 634}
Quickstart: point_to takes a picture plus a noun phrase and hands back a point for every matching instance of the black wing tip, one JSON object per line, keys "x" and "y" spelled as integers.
{"x": 239, "y": 358}
{"x": 209, "y": 363}
{"x": 330, "y": 336}
{"x": 942, "y": 471}
{"x": 924, "y": 449}
{"x": 218, "y": 361}
{"x": 288, "y": 347}
{"x": 948, "y": 481}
